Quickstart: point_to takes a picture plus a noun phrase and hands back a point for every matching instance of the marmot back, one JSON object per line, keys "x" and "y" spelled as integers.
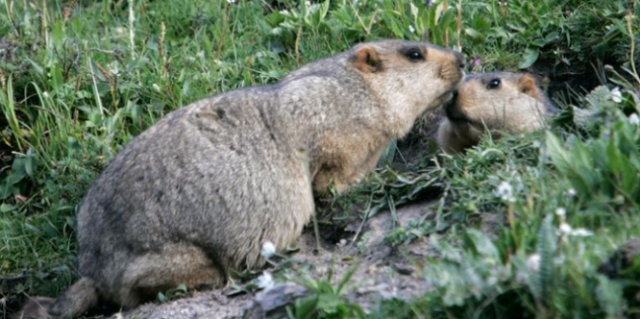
{"x": 498, "y": 102}
{"x": 203, "y": 189}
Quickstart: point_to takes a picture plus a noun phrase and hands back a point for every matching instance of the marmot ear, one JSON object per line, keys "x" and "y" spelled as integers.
{"x": 366, "y": 59}
{"x": 527, "y": 85}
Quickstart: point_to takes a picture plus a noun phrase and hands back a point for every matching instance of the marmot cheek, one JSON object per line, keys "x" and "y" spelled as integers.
{"x": 451, "y": 74}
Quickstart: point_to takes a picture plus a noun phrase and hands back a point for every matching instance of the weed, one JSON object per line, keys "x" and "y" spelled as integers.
{"x": 325, "y": 299}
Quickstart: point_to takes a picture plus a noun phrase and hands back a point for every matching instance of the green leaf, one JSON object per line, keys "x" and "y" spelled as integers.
{"x": 5, "y": 208}
{"x": 18, "y": 171}
{"x": 30, "y": 164}
{"x": 329, "y": 303}
{"x": 346, "y": 277}
{"x": 630, "y": 180}
{"x": 388, "y": 154}
{"x": 473, "y": 33}
{"x": 324, "y": 9}
{"x": 57, "y": 78}
{"x": 162, "y": 298}
{"x": 551, "y": 37}
{"x": 57, "y": 34}
{"x": 529, "y": 58}
{"x": 567, "y": 163}
{"x": 305, "y": 307}
{"x": 483, "y": 245}
{"x": 397, "y": 31}
{"x": 39, "y": 69}
{"x": 542, "y": 279}
{"x": 610, "y": 297}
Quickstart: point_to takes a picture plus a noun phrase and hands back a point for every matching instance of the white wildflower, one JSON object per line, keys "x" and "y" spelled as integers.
{"x": 505, "y": 191}
{"x": 571, "y": 192}
{"x": 265, "y": 281}
{"x": 633, "y": 119}
{"x": 533, "y": 262}
{"x": 561, "y": 212}
{"x": 231, "y": 1}
{"x": 616, "y": 95}
{"x": 155, "y": 87}
{"x": 581, "y": 232}
{"x": 268, "y": 249}
{"x": 565, "y": 229}
{"x": 45, "y": 94}
{"x": 412, "y": 29}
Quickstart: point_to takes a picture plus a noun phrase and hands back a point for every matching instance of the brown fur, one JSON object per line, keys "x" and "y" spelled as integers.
{"x": 200, "y": 191}
{"x": 517, "y": 104}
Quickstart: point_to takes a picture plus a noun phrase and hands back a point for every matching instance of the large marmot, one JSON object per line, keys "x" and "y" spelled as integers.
{"x": 203, "y": 189}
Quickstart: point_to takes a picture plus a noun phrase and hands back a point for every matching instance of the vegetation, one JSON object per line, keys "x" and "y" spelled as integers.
{"x": 79, "y": 79}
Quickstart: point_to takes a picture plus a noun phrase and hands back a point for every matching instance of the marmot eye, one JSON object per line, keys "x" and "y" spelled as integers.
{"x": 414, "y": 55}
{"x": 493, "y": 84}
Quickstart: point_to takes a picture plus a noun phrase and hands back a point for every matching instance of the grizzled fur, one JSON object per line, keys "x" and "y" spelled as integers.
{"x": 203, "y": 189}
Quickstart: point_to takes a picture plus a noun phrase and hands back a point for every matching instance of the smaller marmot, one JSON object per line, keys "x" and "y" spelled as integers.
{"x": 500, "y": 102}
{"x": 201, "y": 191}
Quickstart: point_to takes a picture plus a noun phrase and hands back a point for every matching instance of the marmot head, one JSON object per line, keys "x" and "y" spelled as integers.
{"x": 498, "y": 102}
{"x": 407, "y": 77}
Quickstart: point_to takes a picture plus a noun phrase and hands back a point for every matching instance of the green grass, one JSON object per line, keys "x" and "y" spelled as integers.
{"x": 75, "y": 88}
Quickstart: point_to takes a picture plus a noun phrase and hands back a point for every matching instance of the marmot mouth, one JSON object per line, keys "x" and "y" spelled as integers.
{"x": 453, "y": 112}
{"x": 447, "y": 97}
